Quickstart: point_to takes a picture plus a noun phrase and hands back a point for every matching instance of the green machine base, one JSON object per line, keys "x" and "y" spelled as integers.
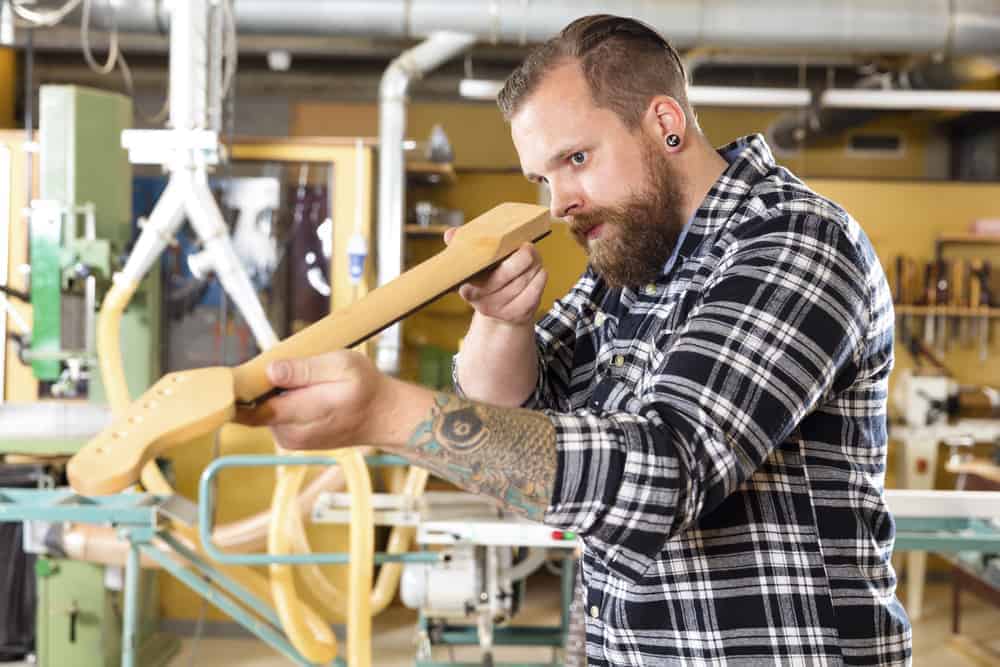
{"x": 79, "y": 620}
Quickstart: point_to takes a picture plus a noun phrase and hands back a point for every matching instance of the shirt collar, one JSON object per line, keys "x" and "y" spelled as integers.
{"x": 749, "y": 159}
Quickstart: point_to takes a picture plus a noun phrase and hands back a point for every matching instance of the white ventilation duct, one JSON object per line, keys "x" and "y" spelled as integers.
{"x": 412, "y": 64}
{"x": 952, "y": 27}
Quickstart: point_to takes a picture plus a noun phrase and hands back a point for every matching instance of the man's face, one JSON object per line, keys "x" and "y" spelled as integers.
{"x": 615, "y": 187}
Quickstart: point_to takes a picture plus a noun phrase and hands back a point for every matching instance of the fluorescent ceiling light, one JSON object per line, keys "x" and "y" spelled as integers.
{"x": 748, "y": 96}
{"x": 938, "y": 100}
{"x": 729, "y": 96}
{"x": 479, "y": 89}
{"x": 783, "y": 98}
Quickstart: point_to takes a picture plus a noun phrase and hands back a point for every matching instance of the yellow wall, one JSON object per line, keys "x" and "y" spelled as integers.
{"x": 8, "y": 83}
{"x": 20, "y": 384}
{"x": 905, "y": 218}
{"x": 481, "y": 139}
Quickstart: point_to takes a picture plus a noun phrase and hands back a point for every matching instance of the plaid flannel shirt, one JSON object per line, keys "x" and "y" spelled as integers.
{"x": 721, "y": 438}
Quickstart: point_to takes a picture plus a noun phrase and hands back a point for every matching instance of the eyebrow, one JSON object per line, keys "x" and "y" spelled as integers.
{"x": 559, "y": 156}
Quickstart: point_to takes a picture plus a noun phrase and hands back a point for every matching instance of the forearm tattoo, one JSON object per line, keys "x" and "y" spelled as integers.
{"x": 508, "y": 454}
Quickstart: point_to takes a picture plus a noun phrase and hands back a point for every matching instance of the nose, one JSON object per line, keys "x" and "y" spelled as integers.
{"x": 564, "y": 201}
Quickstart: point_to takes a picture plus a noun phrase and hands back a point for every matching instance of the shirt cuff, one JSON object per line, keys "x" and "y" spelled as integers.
{"x": 590, "y": 459}
{"x": 455, "y": 385}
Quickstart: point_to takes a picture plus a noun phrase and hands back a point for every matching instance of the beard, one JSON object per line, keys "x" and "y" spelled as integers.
{"x": 639, "y": 234}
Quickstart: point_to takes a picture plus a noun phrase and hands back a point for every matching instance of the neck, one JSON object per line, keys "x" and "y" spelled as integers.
{"x": 705, "y": 168}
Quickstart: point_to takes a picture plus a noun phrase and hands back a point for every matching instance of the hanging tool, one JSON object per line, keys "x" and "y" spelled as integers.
{"x": 930, "y": 299}
{"x": 906, "y": 296}
{"x": 956, "y": 299}
{"x": 942, "y": 294}
{"x": 966, "y": 302}
{"x": 985, "y": 302}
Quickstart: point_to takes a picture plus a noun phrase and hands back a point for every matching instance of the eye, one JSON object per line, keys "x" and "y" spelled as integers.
{"x": 578, "y": 158}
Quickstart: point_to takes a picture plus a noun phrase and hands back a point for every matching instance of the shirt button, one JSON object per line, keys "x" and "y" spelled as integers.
{"x": 594, "y": 611}
{"x": 650, "y": 289}
{"x": 619, "y": 360}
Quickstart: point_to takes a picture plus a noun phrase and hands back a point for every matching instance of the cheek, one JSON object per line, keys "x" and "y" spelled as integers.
{"x": 604, "y": 187}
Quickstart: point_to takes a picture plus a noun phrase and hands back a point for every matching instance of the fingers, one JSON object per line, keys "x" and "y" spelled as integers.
{"x": 303, "y": 406}
{"x": 449, "y": 234}
{"x": 523, "y": 307}
{"x": 518, "y": 301}
{"x": 525, "y": 261}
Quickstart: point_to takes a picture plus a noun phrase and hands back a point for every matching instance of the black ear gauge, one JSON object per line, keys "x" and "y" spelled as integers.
{"x": 673, "y": 140}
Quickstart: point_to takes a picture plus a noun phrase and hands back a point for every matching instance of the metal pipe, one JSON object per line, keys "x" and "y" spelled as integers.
{"x": 411, "y": 64}
{"x": 5, "y": 305}
{"x": 862, "y": 105}
{"x": 133, "y": 603}
{"x": 211, "y": 228}
{"x": 51, "y": 420}
{"x": 883, "y": 26}
{"x": 188, "y": 64}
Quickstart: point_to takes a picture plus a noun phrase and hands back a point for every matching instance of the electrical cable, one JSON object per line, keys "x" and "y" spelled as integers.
{"x": 229, "y": 44}
{"x": 17, "y": 294}
{"x": 46, "y": 18}
{"x": 116, "y": 57}
{"x": 113, "y": 50}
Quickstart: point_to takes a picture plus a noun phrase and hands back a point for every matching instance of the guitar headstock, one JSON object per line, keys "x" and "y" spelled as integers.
{"x": 505, "y": 225}
{"x": 179, "y": 407}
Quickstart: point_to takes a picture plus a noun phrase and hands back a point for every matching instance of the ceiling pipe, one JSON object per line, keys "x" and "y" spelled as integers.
{"x": 412, "y": 64}
{"x": 948, "y": 27}
{"x": 838, "y": 112}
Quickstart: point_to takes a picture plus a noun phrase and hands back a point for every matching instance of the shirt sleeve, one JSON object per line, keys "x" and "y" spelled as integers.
{"x": 556, "y": 336}
{"x": 779, "y": 326}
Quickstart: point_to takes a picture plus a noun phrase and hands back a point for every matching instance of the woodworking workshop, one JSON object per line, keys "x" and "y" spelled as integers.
{"x": 514, "y": 333}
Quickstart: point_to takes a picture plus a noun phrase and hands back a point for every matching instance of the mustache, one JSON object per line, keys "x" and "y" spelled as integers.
{"x": 581, "y": 224}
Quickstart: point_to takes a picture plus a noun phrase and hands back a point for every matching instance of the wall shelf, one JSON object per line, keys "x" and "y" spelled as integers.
{"x": 430, "y": 173}
{"x": 427, "y": 230}
{"x": 963, "y": 239}
{"x": 969, "y": 238}
{"x": 946, "y": 311}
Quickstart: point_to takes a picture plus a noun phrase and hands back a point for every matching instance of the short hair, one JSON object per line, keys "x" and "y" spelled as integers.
{"x": 624, "y": 61}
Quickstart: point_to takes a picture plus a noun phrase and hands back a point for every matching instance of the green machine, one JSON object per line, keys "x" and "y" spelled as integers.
{"x": 79, "y": 229}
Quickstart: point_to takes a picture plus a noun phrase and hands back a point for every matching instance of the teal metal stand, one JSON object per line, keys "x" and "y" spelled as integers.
{"x": 946, "y": 535}
{"x": 141, "y": 519}
{"x": 133, "y": 603}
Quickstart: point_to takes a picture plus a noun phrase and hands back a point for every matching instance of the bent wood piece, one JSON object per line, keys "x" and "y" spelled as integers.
{"x": 186, "y": 404}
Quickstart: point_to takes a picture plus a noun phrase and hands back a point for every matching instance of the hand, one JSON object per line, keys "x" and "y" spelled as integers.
{"x": 330, "y": 400}
{"x": 512, "y": 291}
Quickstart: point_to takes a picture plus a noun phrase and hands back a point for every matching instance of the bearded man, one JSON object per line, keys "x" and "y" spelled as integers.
{"x": 705, "y": 407}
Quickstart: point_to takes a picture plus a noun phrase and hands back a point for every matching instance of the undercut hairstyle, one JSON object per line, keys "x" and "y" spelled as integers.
{"x": 624, "y": 61}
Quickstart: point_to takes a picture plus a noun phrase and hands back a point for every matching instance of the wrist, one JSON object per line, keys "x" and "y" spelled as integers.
{"x": 396, "y": 411}
{"x": 504, "y": 327}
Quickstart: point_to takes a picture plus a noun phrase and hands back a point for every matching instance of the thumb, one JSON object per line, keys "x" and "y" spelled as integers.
{"x": 289, "y": 373}
{"x": 449, "y": 234}
{"x": 294, "y": 373}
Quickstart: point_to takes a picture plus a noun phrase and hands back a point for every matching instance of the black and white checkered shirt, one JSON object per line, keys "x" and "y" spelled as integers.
{"x": 722, "y": 438}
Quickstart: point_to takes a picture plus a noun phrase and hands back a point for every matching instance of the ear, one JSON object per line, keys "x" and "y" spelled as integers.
{"x": 665, "y": 117}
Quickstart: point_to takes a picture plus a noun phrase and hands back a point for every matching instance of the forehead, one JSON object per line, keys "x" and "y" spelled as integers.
{"x": 559, "y": 109}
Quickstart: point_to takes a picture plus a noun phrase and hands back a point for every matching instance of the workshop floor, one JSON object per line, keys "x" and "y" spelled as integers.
{"x": 393, "y": 646}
